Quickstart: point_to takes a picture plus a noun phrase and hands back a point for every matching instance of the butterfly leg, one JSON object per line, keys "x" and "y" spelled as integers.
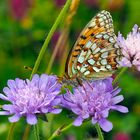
{"x": 79, "y": 81}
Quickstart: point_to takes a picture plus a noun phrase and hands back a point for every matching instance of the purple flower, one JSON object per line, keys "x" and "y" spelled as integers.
{"x": 29, "y": 98}
{"x": 19, "y": 8}
{"x": 59, "y": 3}
{"x": 121, "y": 136}
{"x": 92, "y": 3}
{"x": 130, "y": 48}
{"x": 94, "y": 100}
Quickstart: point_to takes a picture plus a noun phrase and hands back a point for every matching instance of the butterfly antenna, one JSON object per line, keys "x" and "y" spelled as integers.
{"x": 30, "y": 69}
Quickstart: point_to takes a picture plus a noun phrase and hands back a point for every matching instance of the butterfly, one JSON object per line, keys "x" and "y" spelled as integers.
{"x": 95, "y": 54}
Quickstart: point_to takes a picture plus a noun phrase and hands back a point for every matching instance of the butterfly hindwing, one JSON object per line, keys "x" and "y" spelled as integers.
{"x": 95, "y": 54}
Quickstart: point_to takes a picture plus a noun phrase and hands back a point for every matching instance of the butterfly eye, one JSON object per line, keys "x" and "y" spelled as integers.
{"x": 85, "y": 65}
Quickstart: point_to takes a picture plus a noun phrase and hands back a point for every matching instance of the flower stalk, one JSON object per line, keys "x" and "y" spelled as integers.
{"x": 26, "y": 132}
{"x": 36, "y": 132}
{"x": 47, "y": 40}
{"x": 60, "y": 130}
{"x": 64, "y": 35}
{"x": 43, "y": 49}
{"x": 100, "y": 135}
{"x": 10, "y": 134}
{"x": 123, "y": 70}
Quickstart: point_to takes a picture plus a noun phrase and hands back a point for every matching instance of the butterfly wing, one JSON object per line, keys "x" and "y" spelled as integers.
{"x": 95, "y": 54}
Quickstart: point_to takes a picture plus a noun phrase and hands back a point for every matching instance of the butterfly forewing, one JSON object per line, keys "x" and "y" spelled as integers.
{"x": 95, "y": 54}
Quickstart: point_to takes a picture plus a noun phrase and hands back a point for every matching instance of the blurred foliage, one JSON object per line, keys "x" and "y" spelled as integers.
{"x": 22, "y": 33}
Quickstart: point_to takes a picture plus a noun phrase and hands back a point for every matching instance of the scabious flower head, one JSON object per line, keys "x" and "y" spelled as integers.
{"x": 94, "y": 100}
{"x": 29, "y": 98}
{"x": 130, "y": 48}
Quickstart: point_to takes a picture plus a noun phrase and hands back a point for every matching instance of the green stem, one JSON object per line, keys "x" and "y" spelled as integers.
{"x": 43, "y": 49}
{"x": 10, "y": 134}
{"x": 36, "y": 132}
{"x": 67, "y": 127}
{"x": 26, "y": 132}
{"x": 39, "y": 58}
{"x": 100, "y": 135}
{"x": 55, "y": 25}
{"x": 59, "y": 131}
{"x": 119, "y": 75}
{"x": 53, "y": 56}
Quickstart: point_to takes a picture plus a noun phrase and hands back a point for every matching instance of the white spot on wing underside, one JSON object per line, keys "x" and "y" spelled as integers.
{"x": 88, "y": 54}
{"x": 103, "y": 62}
{"x": 83, "y": 69}
{"x": 87, "y": 72}
{"x": 96, "y": 50}
{"x": 91, "y": 61}
{"x": 104, "y": 55}
{"x": 82, "y": 57}
{"x": 96, "y": 69}
{"x": 98, "y": 36}
{"x": 93, "y": 46}
{"x": 88, "y": 44}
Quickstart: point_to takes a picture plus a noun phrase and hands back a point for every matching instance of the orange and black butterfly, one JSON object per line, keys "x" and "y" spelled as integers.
{"x": 95, "y": 54}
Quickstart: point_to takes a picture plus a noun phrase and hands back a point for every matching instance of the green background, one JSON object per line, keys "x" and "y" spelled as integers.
{"x": 21, "y": 37}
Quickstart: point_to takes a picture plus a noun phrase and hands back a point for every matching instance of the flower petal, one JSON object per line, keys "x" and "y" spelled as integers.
{"x": 3, "y": 97}
{"x": 20, "y": 83}
{"x": 125, "y": 62}
{"x": 105, "y": 113}
{"x": 44, "y": 78}
{"x": 78, "y": 121}
{"x": 108, "y": 84}
{"x": 31, "y": 119}
{"x": 14, "y": 118}
{"x": 35, "y": 78}
{"x": 116, "y": 91}
{"x": 11, "y": 84}
{"x": 105, "y": 125}
{"x": 44, "y": 110}
{"x": 120, "y": 108}
{"x": 56, "y": 111}
{"x": 135, "y": 29}
{"x": 9, "y": 108}
{"x": 55, "y": 101}
{"x": 7, "y": 91}
{"x": 117, "y": 99}
{"x": 86, "y": 115}
{"x": 94, "y": 121}
{"x": 4, "y": 113}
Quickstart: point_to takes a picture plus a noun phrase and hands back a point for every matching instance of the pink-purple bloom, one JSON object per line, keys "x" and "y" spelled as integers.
{"x": 59, "y": 3}
{"x": 31, "y": 97}
{"x": 94, "y": 100}
{"x": 121, "y": 136}
{"x": 130, "y": 48}
{"x": 20, "y": 8}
